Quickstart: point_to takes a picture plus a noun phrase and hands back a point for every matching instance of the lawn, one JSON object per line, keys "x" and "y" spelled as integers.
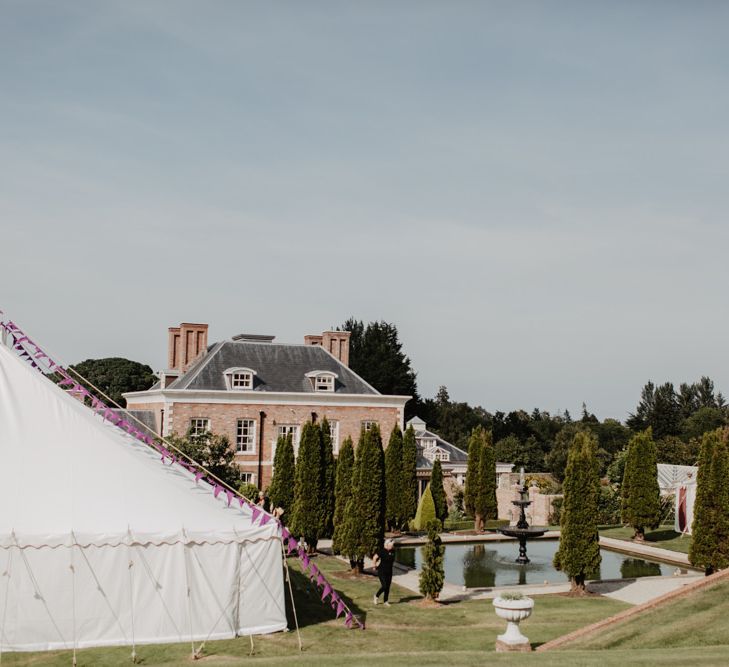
{"x": 700, "y": 619}
{"x": 663, "y": 537}
{"x": 405, "y": 633}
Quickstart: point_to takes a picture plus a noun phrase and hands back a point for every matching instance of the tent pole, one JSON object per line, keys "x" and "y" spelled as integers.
{"x": 291, "y": 593}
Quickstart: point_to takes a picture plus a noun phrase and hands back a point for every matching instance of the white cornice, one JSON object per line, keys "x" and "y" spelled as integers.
{"x": 232, "y": 397}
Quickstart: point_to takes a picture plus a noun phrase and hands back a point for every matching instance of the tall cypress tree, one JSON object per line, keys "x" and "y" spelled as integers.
{"x": 364, "y": 520}
{"x": 394, "y": 479}
{"x": 306, "y": 515}
{"x": 409, "y": 482}
{"x": 342, "y": 491}
{"x": 710, "y": 539}
{"x": 432, "y": 574}
{"x": 281, "y": 491}
{"x": 327, "y": 481}
{"x": 475, "y": 445}
{"x": 578, "y": 554}
{"x": 486, "y": 505}
{"x": 439, "y": 494}
{"x": 640, "y": 495}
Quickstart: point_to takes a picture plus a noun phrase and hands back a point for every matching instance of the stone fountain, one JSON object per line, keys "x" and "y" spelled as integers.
{"x": 522, "y": 531}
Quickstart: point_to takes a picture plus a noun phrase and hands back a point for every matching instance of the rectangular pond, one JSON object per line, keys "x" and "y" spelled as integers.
{"x": 489, "y": 564}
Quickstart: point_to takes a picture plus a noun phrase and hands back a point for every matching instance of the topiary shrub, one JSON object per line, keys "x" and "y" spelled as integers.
{"x": 432, "y": 574}
{"x": 426, "y": 511}
{"x": 248, "y": 490}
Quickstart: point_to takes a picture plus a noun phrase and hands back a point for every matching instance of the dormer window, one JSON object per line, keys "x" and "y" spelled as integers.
{"x": 322, "y": 380}
{"x": 239, "y": 379}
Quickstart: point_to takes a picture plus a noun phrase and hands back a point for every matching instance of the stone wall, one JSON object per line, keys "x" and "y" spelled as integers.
{"x": 537, "y": 513}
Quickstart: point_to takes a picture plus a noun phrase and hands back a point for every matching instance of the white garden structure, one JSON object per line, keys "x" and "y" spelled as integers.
{"x": 103, "y": 544}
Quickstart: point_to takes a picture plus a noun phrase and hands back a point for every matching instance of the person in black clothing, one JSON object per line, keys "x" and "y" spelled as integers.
{"x": 383, "y": 561}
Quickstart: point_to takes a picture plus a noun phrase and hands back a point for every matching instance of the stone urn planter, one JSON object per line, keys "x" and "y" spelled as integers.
{"x": 513, "y": 609}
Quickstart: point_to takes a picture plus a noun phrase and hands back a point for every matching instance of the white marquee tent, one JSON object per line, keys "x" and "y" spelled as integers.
{"x": 102, "y": 544}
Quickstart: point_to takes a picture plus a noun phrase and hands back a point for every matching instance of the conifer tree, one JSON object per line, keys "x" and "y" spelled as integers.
{"x": 439, "y": 494}
{"x": 364, "y": 520}
{"x": 281, "y": 491}
{"x": 710, "y": 532}
{"x": 486, "y": 505}
{"x": 640, "y": 495}
{"x": 432, "y": 573}
{"x": 426, "y": 510}
{"x": 475, "y": 445}
{"x": 394, "y": 479}
{"x": 327, "y": 481}
{"x": 578, "y": 554}
{"x": 342, "y": 491}
{"x": 409, "y": 484}
{"x": 306, "y": 515}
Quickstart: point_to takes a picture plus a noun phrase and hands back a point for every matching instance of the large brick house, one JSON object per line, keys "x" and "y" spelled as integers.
{"x": 254, "y": 390}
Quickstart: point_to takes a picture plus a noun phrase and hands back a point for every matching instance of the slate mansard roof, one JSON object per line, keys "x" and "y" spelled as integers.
{"x": 278, "y": 368}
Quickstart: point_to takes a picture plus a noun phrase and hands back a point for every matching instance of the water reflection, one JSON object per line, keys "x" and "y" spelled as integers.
{"x": 486, "y": 565}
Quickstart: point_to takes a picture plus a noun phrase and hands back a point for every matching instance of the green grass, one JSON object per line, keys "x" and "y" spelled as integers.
{"x": 404, "y": 633}
{"x": 663, "y": 537}
{"x": 700, "y": 619}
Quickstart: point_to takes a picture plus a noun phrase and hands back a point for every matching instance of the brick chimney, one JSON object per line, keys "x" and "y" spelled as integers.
{"x": 185, "y": 344}
{"x": 337, "y": 342}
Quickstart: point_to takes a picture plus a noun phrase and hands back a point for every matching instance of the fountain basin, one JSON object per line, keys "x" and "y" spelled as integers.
{"x": 529, "y": 533}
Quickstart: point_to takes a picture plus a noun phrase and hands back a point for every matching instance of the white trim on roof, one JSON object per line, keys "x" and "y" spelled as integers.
{"x": 233, "y": 397}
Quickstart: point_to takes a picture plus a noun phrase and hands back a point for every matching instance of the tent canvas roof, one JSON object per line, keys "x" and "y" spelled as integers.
{"x": 66, "y": 471}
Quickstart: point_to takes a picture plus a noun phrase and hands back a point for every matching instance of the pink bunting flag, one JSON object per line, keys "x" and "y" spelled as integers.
{"x": 230, "y": 495}
{"x": 285, "y": 534}
{"x": 217, "y": 490}
{"x": 254, "y": 513}
{"x": 340, "y": 608}
{"x": 241, "y": 502}
{"x": 320, "y": 580}
{"x": 292, "y": 544}
{"x": 348, "y": 620}
{"x": 198, "y": 476}
{"x": 304, "y": 559}
{"x": 66, "y": 380}
{"x": 326, "y": 591}
{"x": 265, "y": 519}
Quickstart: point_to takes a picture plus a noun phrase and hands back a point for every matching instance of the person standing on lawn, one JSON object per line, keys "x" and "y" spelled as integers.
{"x": 384, "y": 560}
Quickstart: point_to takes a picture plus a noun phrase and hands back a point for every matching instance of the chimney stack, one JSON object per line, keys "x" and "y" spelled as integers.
{"x": 185, "y": 344}
{"x": 335, "y": 342}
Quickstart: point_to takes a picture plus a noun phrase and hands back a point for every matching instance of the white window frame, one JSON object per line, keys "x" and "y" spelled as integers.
{"x": 199, "y": 425}
{"x": 250, "y": 436}
{"x": 323, "y": 381}
{"x": 367, "y": 424}
{"x": 285, "y": 429}
{"x": 241, "y": 374}
{"x": 334, "y": 435}
{"x": 247, "y": 477}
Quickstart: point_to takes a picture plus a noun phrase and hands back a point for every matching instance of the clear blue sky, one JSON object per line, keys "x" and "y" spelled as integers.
{"x": 535, "y": 193}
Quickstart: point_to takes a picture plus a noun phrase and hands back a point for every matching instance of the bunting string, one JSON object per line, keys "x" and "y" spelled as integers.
{"x": 32, "y": 353}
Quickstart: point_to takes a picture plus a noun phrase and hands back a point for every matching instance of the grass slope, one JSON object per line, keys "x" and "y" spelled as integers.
{"x": 699, "y": 619}
{"x": 455, "y": 634}
{"x": 663, "y": 537}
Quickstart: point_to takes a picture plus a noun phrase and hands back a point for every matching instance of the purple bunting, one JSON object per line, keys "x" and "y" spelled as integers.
{"x": 326, "y": 591}
{"x": 198, "y": 476}
{"x": 304, "y": 559}
{"x": 348, "y": 620}
{"x": 340, "y": 608}
{"x": 285, "y": 534}
{"x": 217, "y": 490}
{"x": 320, "y": 580}
{"x": 254, "y": 513}
{"x": 230, "y": 495}
{"x": 292, "y": 544}
{"x": 265, "y": 519}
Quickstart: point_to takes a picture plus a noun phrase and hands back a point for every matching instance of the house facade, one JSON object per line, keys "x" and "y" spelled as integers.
{"x": 453, "y": 460}
{"x": 254, "y": 390}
